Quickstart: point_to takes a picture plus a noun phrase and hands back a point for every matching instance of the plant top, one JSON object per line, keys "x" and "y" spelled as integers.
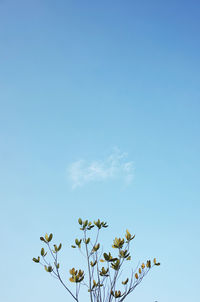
{"x": 102, "y": 280}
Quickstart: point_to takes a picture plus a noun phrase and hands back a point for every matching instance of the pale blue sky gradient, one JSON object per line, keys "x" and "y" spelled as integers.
{"x": 77, "y": 79}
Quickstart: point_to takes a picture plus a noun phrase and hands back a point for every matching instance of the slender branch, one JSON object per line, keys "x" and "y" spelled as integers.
{"x": 97, "y": 236}
{"x": 88, "y": 262}
{"x": 58, "y": 274}
{"x": 108, "y": 282}
{"x": 98, "y": 277}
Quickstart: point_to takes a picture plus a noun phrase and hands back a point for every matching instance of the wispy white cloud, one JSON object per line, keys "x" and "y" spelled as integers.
{"x": 115, "y": 166}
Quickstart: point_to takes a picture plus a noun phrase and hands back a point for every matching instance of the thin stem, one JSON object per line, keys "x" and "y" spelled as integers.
{"x": 58, "y": 274}
{"x": 88, "y": 262}
{"x": 98, "y": 278}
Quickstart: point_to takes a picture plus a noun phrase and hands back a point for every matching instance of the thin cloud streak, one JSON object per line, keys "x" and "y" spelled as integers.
{"x": 114, "y": 167}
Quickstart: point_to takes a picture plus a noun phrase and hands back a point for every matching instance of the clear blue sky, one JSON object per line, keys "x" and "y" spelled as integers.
{"x": 78, "y": 79}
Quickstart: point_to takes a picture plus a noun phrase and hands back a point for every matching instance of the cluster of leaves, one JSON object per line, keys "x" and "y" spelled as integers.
{"x": 103, "y": 279}
{"x": 47, "y": 266}
{"x": 77, "y": 276}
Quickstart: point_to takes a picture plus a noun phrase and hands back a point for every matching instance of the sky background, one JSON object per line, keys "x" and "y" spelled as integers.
{"x": 99, "y": 118}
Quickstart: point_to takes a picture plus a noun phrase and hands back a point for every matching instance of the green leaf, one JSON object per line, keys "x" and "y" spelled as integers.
{"x": 104, "y": 224}
{"x": 90, "y": 227}
{"x": 78, "y": 242}
{"x": 80, "y": 221}
{"x": 93, "y": 264}
{"x": 96, "y": 247}
{"x": 59, "y": 247}
{"x": 50, "y": 237}
{"x": 148, "y": 264}
{"x": 87, "y": 241}
{"x": 42, "y": 252}
{"x": 50, "y": 269}
{"x": 125, "y": 282}
{"x": 113, "y": 259}
{"x": 85, "y": 223}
